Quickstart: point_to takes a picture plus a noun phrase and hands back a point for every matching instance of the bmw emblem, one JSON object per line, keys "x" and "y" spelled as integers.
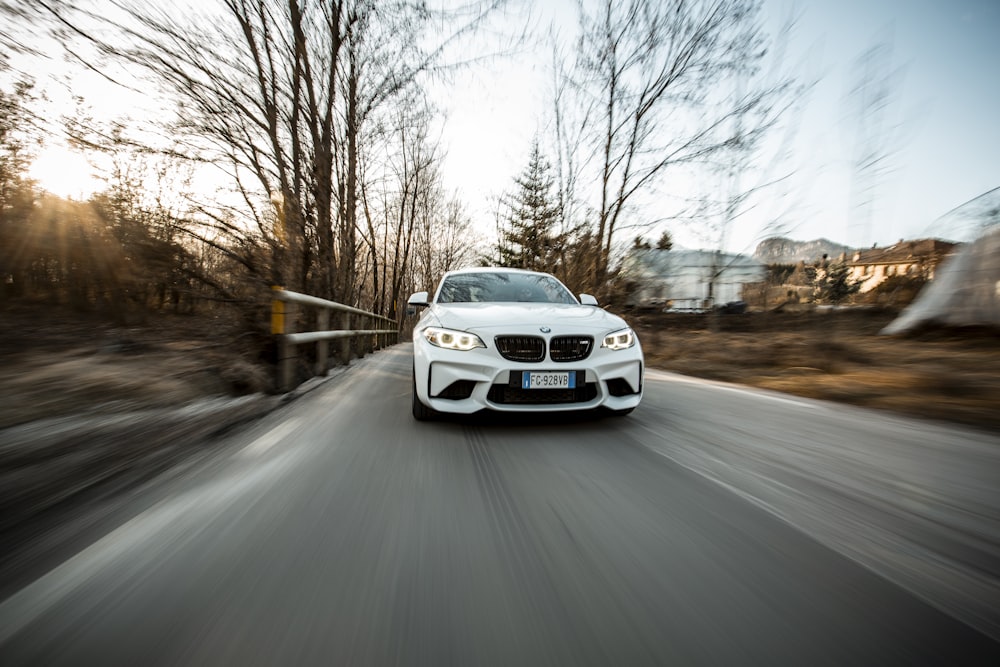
{"x": 544, "y": 329}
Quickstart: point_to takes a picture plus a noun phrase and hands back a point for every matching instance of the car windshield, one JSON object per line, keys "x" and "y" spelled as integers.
{"x": 496, "y": 286}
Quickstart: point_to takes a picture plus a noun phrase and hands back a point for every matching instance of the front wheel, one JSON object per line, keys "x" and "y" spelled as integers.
{"x": 421, "y": 412}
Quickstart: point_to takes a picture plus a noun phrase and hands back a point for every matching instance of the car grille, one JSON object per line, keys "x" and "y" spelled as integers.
{"x": 521, "y": 348}
{"x": 570, "y": 348}
{"x": 501, "y": 393}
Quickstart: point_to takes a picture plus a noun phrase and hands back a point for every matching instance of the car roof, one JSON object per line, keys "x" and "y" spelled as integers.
{"x": 493, "y": 269}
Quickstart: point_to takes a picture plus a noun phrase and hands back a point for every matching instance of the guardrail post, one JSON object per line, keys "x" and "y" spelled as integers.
{"x": 366, "y": 341}
{"x": 323, "y": 346}
{"x": 345, "y": 343}
{"x": 282, "y": 313}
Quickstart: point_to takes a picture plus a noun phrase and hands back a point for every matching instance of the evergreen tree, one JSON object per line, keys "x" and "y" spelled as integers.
{"x": 527, "y": 235}
{"x": 833, "y": 283}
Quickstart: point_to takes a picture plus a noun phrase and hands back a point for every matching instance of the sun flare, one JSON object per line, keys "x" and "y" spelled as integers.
{"x": 65, "y": 173}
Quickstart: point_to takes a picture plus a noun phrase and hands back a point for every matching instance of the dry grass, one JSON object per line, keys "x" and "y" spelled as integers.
{"x": 838, "y": 356}
{"x": 57, "y": 362}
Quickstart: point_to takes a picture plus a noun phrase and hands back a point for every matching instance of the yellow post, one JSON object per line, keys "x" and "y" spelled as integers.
{"x": 277, "y": 313}
{"x": 286, "y": 351}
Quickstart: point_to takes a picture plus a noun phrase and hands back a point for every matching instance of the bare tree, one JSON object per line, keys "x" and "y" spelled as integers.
{"x": 17, "y": 192}
{"x": 18, "y": 140}
{"x": 404, "y": 207}
{"x": 877, "y": 140}
{"x": 649, "y": 74}
{"x": 279, "y": 93}
{"x": 418, "y": 178}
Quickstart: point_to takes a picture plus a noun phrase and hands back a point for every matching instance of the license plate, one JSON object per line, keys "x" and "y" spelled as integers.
{"x": 548, "y": 380}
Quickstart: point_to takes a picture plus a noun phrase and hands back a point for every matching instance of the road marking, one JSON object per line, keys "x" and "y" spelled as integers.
{"x": 664, "y": 376}
{"x": 270, "y": 439}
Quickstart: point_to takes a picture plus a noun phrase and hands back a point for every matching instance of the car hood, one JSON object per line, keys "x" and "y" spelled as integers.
{"x": 506, "y": 317}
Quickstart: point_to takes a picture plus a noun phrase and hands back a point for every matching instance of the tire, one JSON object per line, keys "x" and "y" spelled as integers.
{"x": 622, "y": 413}
{"x": 421, "y": 412}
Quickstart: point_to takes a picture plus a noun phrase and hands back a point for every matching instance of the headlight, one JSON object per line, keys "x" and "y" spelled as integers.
{"x": 450, "y": 339}
{"x": 619, "y": 340}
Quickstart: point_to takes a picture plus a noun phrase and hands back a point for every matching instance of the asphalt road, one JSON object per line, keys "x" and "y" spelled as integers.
{"x": 713, "y": 526}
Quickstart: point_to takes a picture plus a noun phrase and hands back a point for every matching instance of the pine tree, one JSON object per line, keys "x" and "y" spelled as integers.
{"x": 527, "y": 239}
{"x": 833, "y": 283}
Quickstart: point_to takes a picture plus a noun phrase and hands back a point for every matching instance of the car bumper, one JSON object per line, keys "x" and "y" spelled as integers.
{"x": 470, "y": 381}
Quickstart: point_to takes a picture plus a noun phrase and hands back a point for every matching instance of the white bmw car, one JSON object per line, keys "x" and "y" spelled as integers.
{"x": 519, "y": 341}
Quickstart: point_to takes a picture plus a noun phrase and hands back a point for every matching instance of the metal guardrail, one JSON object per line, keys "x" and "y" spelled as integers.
{"x": 282, "y": 317}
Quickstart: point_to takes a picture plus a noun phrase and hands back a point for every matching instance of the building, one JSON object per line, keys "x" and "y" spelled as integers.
{"x": 917, "y": 259}
{"x": 688, "y": 279}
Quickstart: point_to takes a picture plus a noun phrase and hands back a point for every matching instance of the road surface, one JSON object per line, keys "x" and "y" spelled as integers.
{"x": 713, "y": 526}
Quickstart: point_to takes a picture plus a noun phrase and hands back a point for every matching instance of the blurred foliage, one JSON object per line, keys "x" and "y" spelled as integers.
{"x": 793, "y": 283}
{"x": 779, "y": 274}
{"x": 641, "y": 244}
{"x": 833, "y": 284}
{"x": 895, "y": 291}
{"x": 122, "y": 254}
{"x": 898, "y": 283}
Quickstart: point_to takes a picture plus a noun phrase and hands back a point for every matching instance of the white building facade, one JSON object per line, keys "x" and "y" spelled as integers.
{"x": 689, "y": 279}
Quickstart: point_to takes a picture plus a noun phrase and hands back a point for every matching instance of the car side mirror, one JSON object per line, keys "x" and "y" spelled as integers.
{"x": 588, "y": 300}
{"x": 416, "y": 300}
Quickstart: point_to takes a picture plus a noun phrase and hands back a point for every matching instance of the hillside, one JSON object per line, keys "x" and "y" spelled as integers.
{"x": 779, "y": 250}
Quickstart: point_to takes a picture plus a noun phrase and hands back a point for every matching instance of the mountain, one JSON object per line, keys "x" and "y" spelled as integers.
{"x": 779, "y": 250}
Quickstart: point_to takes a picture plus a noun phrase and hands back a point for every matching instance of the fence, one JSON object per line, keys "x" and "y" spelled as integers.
{"x": 283, "y": 317}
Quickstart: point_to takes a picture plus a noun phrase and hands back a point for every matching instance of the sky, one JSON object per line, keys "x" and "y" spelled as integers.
{"x": 941, "y": 127}
{"x": 941, "y": 124}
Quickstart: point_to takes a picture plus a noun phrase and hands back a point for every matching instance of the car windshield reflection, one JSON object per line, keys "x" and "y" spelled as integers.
{"x": 503, "y": 287}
